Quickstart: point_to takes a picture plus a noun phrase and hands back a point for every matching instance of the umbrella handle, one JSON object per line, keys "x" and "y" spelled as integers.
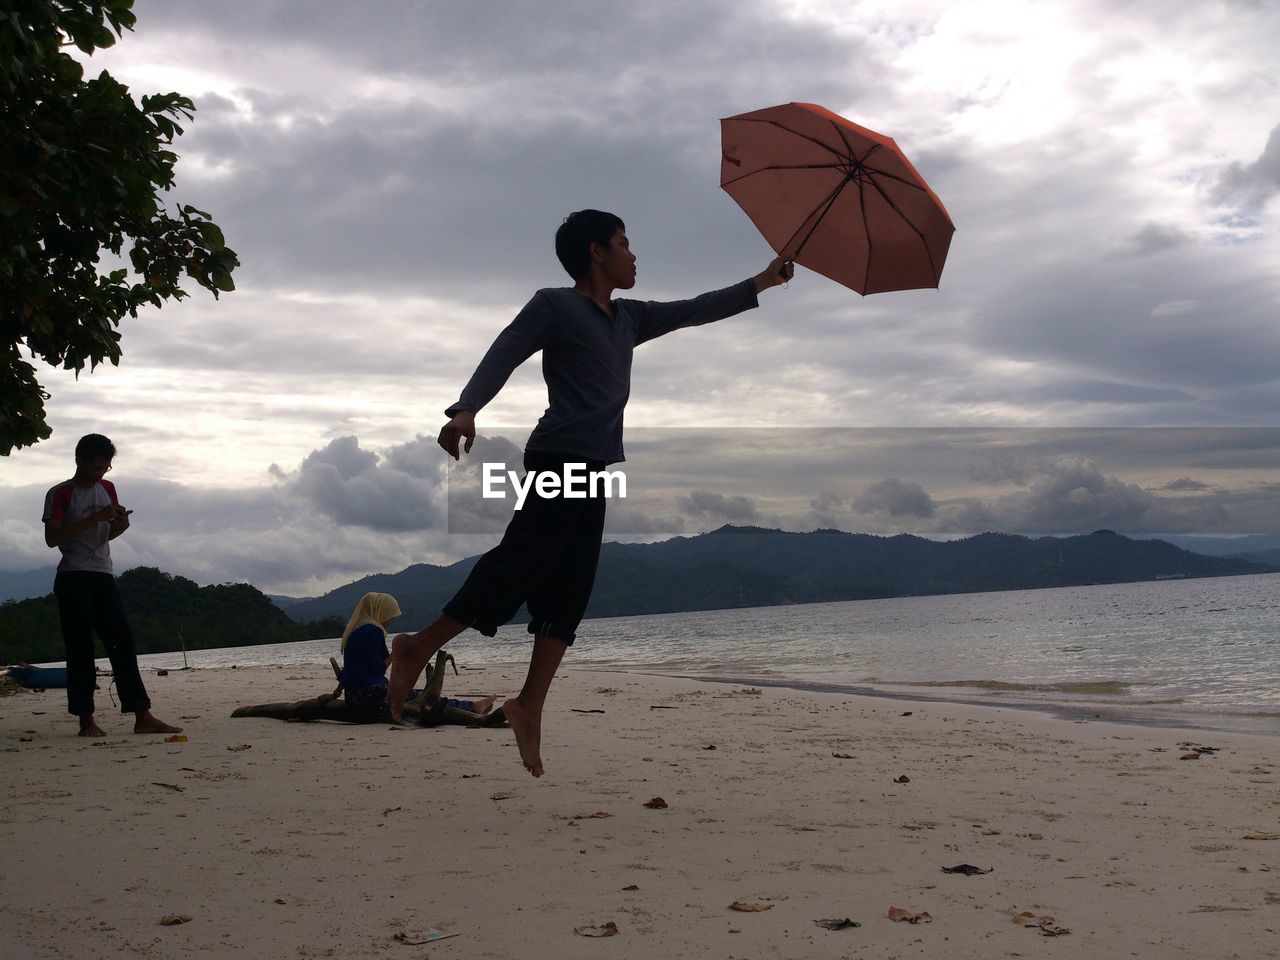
{"x": 782, "y": 272}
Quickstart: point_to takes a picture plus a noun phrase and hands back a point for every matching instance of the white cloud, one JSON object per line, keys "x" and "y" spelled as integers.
{"x": 355, "y": 487}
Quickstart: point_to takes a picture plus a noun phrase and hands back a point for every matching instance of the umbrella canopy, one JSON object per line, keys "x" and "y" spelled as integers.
{"x": 838, "y": 198}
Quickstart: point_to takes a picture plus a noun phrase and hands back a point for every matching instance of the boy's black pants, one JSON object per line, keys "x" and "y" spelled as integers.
{"x": 89, "y": 603}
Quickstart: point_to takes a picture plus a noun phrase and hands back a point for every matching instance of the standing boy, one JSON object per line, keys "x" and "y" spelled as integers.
{"x": 548, "y": 556}
{"x": 81, "y": 517}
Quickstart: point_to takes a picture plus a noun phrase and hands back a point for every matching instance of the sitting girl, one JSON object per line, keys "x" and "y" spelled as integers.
{"x": 365, "y": 656}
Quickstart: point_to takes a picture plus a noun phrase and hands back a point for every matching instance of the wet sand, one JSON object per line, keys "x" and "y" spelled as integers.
{"x": 326, "y": 840}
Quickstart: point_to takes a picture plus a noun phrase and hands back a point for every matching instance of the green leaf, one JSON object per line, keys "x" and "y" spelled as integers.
{"x": 211, "y": 233}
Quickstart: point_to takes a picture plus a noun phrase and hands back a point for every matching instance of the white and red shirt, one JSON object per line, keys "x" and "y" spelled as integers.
{"x": 68, "y": 502}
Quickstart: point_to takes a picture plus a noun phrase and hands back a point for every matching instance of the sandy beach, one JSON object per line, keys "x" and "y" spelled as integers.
{"x": 327, "y": 840}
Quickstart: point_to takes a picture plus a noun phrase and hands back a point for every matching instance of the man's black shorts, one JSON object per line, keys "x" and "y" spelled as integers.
{"x": 547, "y": 559}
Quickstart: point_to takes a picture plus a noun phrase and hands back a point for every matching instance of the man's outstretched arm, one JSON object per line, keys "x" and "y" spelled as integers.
{"x": 659, "y": 319}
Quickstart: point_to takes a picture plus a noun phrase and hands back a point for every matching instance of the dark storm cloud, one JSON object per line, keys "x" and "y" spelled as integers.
{"x": 470, "y": 177}
{"x": 716, "y": 506}
{"x": 1156, "y": 238}
{"x": 1072, "y": 495}
{"x": 1002, "y": 467}
{"x": 1183, "y": 484}
{"x": 628, "y": 521}
{"x": 501, "y": 120}
{"x": 827, "y": 510}
{"x": 460, "y": 40}
{"x": 1250, "y": 186}
{"x": 1183, "y": 365}
{"x": 897, "y": 498}
{"x": 1018, "y": 456}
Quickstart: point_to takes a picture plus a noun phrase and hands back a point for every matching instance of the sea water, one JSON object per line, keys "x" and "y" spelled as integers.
{"x": 1200, "y": 653}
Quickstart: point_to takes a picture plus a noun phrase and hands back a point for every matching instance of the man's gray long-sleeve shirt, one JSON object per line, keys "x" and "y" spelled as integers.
{"x": 586, "y": 361}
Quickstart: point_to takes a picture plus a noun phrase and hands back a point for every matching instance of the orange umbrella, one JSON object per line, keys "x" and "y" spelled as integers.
{"x": 838, "y": 198}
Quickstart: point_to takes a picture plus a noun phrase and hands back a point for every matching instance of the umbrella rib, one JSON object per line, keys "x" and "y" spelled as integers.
{"x": 862, "y": 161}
{"x": 796, "y": 133}
{"x": 907, "y": 220}
{"x": 914, "y": 185}
{"x": 866, "y": 277}
{"x": 850, "y": 156}
{"x": 796, "y": 166}
{"x": 866, "y": 229}
{"x": 849, "y": 146}
{"x": 825, "y": 206}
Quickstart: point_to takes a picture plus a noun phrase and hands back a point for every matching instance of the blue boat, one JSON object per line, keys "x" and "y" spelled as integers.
{"x": 39, "y": 678}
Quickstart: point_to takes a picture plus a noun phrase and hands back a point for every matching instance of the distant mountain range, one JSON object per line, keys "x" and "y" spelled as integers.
{"x": 752, "y": 566}
{"x": 1260, "y": 548}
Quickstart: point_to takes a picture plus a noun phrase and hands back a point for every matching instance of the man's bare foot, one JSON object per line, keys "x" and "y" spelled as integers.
{"x": 407, "y": 660}
{"x": 146, "y": 723}
{"x": 528, "y": 731}
{"x": 90, "y": 728}
{"x": 482, "y": 706}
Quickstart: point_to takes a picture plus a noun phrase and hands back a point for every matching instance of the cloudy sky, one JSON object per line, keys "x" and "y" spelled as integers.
{"x": 391, "y": 175}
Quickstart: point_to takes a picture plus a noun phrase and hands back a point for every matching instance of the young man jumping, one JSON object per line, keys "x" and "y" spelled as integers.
{"x": 548, "y": 555}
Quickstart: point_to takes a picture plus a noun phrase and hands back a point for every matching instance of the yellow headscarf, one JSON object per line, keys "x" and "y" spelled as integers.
{"x": 375, "y": 608}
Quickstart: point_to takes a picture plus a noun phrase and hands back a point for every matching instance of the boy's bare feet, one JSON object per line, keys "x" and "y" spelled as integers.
{"x": 528, "y": 731}
{"x": 483, "y": 706}
{"x": 89, "y": 728}
{"x": 146, "y": 723}
{"x": 407, "y": 660}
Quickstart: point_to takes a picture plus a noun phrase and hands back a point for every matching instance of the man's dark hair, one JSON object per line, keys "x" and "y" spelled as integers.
{"x": 578, "y": 232}
{"x": 94, "y": 445}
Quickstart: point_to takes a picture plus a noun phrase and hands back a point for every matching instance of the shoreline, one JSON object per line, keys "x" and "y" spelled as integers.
{"x": 1268, "y": 725}
{"x": 1143, "y": 654}
{"x": 1146, "y": 715}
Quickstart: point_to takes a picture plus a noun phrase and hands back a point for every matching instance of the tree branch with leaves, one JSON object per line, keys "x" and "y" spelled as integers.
{"x": 82, "y": 168}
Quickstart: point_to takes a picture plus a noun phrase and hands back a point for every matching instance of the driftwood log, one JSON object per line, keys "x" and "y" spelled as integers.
{"x": 429, "y": 709}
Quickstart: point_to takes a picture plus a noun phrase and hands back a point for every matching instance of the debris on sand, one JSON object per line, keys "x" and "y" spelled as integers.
{"x": 609, "y": 929}
{"x": 743, "y": 906}
{"x": 967, "y": 869}
{"x": 837, "y": 924}
{"x": 1045, "y": 925}
{"x": 430, "y": 935}
{"x": 898, "y": 915}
